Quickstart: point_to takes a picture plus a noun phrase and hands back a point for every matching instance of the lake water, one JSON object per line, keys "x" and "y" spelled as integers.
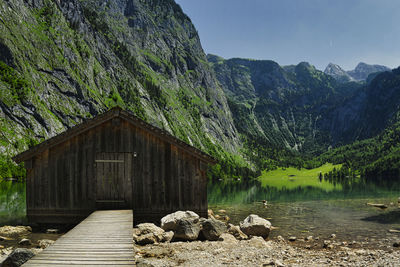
{"x": 310, "y": 211}
{"x": 300, "y": 212}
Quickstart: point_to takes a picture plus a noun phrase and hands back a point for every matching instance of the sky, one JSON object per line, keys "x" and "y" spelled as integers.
{"x": 344, "y": 32}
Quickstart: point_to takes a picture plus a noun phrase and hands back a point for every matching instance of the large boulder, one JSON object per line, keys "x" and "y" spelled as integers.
{"x": 184, "y": 224}
{"x": 169, "y": 222}
{"x": 187, "y": 230}
{"x": 18, "y": 257}
{"x": 212, "y": 229}
{"x": 254, "y": 225}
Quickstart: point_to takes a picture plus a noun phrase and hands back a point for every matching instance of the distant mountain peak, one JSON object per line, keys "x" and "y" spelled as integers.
{"x": 363, "y": 70}
{"x": 360, "y": 73}
{"x": 338, "y": 73}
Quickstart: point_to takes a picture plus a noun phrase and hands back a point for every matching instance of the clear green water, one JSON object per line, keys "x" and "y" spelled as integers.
{"x": 12, "y": 203}
{"x": 317, "y": 211}
{"x": 302, "y": 211}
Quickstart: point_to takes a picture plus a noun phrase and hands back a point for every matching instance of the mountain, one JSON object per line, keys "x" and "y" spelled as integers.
{"x": 291, "y": 107}
{"x": 363, "y": 70}
{"x": 377, "y": 157}
{"x": 338, "y": 73}
{"x": 65, "y": 61}
{"x": 360, "y": 73}
{"x": 62, "y": 62}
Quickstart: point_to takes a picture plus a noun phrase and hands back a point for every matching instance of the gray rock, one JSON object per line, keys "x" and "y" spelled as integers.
{"x": 212, "y": 229}
{"x": 236, "y": 232}
{"x": 18, "y": 257}
{"x": 255, "y": 226}
{"x": 187, "y": 230}
{"x": 326, "y": 243}
{"x": 146, "y": 239}
{"x": 44, "y": 243}
{"x": 15, "y": 231}
{"x": 170, "y": 221}
{"x": 184, "y": 224}
{"x": 280, "y": 238}
{"x": 167, "y": 236}
{"x": 309, "y": 238}
{"x": 52, "y": 231}
{"x": 150, "y": 228}
{"x": 25, "y": 242}
{"x": 292, "y": 238}
{"x": 276, "y": 263}
{"x": 228, "y": 238}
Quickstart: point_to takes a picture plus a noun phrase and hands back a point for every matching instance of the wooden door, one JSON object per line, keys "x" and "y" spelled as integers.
{"x": 113, "y": 188}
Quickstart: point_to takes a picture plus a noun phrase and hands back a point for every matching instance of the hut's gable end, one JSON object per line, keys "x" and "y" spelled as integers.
{"x": 114, "y": 165}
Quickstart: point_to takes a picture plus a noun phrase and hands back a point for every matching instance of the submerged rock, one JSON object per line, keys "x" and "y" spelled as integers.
{"x": 254, "y": 225}
{"x": 212, "y": 229}
{"x": 25, "y": 242}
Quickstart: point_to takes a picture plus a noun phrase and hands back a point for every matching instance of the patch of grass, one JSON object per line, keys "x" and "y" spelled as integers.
{"x": 290, "y": 178}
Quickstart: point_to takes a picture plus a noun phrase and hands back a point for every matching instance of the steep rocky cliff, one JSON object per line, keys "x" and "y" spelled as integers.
{"x": 64, "y": 61}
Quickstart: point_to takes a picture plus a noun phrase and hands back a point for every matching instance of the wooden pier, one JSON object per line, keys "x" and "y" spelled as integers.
{"x": 102, "y": 239}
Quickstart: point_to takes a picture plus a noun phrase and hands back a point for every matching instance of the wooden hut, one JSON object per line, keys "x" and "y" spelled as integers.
{"x": 113, "y": 161}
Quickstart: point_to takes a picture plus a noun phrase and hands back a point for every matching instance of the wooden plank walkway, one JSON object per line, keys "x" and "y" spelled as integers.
{"x": 102, "y": 239}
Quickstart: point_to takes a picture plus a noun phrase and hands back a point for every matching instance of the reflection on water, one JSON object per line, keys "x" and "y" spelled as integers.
{"x": 305, "y": 211}
{"x": 12, "y": 202}
{"x": 236, "y": 192}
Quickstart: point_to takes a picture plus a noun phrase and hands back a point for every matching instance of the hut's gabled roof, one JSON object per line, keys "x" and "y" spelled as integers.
{"x": 100, "y": 119}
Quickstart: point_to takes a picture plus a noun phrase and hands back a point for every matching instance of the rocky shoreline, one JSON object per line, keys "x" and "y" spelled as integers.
{"x": 239, "y": 246}
{"x": 185, "y": 239}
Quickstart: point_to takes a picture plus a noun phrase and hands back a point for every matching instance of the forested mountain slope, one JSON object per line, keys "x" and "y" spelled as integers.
{"x": 296, "y": 107}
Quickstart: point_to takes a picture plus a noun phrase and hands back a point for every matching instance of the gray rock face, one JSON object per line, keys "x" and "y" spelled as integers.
{"x": 363, "y": 70}
{"x": 18, "y": 257}
{"x": 338, "y": 73}
{"x": 128, "y": 40}
{"x": 212, "y": 229}
{"x": 255, "y": 226}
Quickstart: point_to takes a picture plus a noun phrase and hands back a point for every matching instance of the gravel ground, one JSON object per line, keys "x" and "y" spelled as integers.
{"x": 257, "y": 252}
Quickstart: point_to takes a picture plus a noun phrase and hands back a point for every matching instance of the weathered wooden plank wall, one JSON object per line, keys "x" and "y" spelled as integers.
{"x": 158, "y": 177}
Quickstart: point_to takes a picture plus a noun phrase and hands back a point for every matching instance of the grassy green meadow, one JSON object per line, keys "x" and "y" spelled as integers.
{"x": 290, "y": 178}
